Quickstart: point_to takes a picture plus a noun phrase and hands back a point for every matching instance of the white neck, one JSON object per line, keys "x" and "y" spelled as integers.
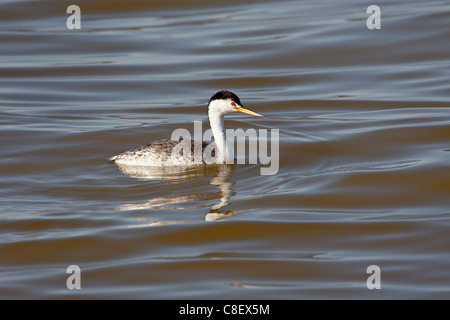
{"x": 218, "y": 130}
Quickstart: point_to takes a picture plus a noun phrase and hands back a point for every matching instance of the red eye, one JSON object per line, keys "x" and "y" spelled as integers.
{"x": 233, "y": 104}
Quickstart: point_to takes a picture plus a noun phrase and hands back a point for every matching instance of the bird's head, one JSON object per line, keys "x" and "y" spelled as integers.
{"x": 224, "y": 102}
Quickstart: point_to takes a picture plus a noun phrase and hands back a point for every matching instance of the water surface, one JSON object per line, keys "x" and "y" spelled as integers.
{"x": 364, "y": 173}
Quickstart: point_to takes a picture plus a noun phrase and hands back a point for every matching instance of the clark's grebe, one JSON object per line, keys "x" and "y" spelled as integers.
{"x": 161, "y": 152}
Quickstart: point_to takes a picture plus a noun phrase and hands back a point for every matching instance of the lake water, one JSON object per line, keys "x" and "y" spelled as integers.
{"x": 364, "y": 150}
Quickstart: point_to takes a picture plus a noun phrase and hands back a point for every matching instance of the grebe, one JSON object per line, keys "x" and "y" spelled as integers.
{"x": 173, "y": 152}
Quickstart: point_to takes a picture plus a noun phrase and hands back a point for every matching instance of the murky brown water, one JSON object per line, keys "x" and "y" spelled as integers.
{"x": 364, "y": 175}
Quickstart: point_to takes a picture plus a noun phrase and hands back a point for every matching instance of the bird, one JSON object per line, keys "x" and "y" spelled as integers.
{"x": 182, "y": 152}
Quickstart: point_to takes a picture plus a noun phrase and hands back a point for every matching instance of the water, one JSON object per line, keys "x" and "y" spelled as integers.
{"x": 364, "y": 173}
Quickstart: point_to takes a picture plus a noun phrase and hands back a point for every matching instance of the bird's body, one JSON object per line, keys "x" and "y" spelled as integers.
{"x": 185, "y": 152}
{"x": 160, "y": 153}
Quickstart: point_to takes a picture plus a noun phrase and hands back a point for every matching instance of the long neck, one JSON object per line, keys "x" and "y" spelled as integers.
{"x": 218, "y": 129}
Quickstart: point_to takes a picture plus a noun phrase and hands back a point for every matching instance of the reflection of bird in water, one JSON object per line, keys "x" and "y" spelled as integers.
{"x": 173, "y": 175}
{"x": 222, "y": 181}
{"x": 161, "y": 152}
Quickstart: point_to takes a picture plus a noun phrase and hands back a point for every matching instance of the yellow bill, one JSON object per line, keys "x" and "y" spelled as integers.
{"x": 243, "y": 110}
